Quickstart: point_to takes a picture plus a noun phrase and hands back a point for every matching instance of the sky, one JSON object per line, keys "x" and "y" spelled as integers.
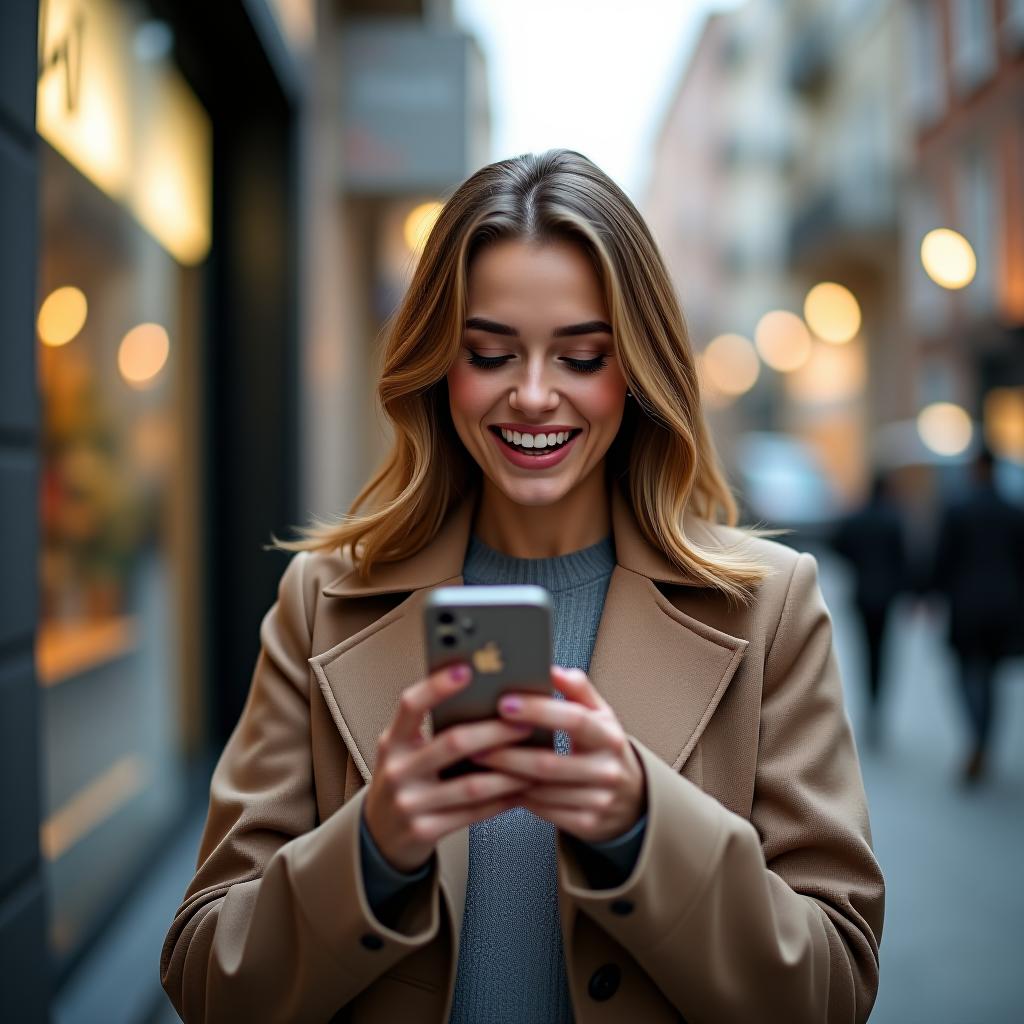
{"x": 590, "y": 75}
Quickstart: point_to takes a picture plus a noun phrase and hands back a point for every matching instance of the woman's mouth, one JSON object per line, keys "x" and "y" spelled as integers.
{"x": 537, "y": 450}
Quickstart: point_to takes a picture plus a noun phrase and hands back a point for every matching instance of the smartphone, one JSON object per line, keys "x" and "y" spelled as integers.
{"x": 504, "y": 633}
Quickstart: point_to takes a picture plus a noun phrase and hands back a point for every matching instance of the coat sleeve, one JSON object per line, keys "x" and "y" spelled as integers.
{"x": 275, "y": 925}
{"x": 776, "y": 918}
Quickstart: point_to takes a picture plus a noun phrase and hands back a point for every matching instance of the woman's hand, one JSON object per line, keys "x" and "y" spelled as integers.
{"x": 407, "y": 807}
{"x": 598, "y": 791}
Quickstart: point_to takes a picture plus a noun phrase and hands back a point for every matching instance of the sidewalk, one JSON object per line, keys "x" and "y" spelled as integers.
{"x": 951, "y": 947}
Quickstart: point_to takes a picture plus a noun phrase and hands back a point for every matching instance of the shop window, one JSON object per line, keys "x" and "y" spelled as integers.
{"x": 125, "y": 186}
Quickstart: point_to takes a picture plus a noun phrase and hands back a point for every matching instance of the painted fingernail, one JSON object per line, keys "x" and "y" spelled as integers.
{"x": 459, "y": 673}
{"x": 511, "y": 705}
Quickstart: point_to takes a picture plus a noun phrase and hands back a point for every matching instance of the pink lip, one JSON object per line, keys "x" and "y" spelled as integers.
{"x": 534, "y": 461}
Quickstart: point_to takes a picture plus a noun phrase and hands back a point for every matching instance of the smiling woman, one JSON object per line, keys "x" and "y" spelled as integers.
{"x": 696, "y": 845}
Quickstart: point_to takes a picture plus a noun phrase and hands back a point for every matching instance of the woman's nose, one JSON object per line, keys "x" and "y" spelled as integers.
{"x": 533, "y": 392}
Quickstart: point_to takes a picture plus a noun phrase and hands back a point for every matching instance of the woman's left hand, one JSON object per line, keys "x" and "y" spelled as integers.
{"x": 595, "y": 793}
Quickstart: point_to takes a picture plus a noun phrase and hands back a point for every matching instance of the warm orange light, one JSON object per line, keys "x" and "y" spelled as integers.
{"x": 418, "y": 224}
{"x": 1004, "y": 421}
{"x": 731, "y": 365}
{"x": 783, "y": 340}
{"x": 62, "y": 315}
{"x": 142, "y": 354}
{"x": 945, "y": 428}
{"x": 948, "y": 258}
{"x": 832, "y": 312}
{"x": 831, "y": 374}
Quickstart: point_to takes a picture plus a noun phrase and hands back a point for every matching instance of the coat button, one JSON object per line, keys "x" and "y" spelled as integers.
{"x": 604, "y": 982}
{"x": 622, "y": 907}
{"x": 371, "y": 941}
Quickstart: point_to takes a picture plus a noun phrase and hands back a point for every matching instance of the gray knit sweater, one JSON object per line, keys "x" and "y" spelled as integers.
{"x": 511, "y": 962}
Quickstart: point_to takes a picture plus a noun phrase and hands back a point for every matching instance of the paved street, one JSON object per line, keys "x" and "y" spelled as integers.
{"x": 952, "y": 949}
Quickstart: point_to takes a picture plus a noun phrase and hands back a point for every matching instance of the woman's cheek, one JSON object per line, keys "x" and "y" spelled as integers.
{"x": 469, "y": 396}
{"x": 602, "y": 403}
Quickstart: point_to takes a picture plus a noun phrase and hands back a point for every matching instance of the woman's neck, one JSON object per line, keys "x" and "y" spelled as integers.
{"x": 581, "y": 518}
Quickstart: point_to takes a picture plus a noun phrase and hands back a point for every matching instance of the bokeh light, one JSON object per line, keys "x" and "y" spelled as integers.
{"x": 730, "y": 364}
{"x": 831, "y": 374}
{"x": 1003, "y": 412}
{"x": 948, "y": 258}
{"x": 62, "y": 315}
{"x": 945, "y": 428}
{"x": 142, "y": 354}
{"x": 783, "y": 341}
{"x": 832, "y": 312}
{"x": 418, "y": 224}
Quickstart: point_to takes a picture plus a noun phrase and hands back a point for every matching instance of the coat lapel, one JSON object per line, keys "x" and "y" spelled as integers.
{"x": 663, "y": 671}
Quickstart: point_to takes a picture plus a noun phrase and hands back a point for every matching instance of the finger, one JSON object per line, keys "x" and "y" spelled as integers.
{"x": 548, "y": 767}
{"x": 588, "y": 728}
{"x": 470, "y": 790}
{"x": 568, "y": 797}
{"x": 416, "y": 700}
{"x": 576, "y": 685}
{"x": 459, "y": 741}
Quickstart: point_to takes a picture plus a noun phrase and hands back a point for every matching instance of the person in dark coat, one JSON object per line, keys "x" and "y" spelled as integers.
{"x": 979, "y": 568}
{"x": 872, "y": 540}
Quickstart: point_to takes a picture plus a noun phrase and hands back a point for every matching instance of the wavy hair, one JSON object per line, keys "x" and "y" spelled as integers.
{"x": 663, "y": 456}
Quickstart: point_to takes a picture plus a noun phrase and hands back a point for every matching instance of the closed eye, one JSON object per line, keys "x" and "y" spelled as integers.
{"x": 586, "y": 365}
{"x": 577, "y": 365}
{"x": 487, "y": 362}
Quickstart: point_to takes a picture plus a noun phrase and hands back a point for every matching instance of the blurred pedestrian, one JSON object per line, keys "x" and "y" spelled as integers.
{"x": 978, "y": 566}
{"x": 872, "y": 540}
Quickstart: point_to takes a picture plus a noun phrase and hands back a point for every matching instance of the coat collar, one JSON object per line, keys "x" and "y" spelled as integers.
{"x": 663, "y": 671}
{"x": 441, "y": 560}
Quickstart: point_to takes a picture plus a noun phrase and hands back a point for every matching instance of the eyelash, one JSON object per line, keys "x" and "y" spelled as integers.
{"x": 578, "y": 365}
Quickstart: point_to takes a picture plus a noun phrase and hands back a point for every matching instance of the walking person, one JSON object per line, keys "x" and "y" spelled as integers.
{"x": 872, "y": 540}
{"x": 978, "y": 567}
{"x": 697, "y": 843}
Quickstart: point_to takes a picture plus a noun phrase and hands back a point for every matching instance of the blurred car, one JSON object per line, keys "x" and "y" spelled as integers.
{"x": 783, "y": 483}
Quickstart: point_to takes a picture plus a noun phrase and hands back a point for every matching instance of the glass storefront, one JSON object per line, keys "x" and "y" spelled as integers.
{"x": 125, "y": 203}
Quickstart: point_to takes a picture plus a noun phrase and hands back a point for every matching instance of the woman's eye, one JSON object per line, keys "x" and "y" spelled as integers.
{"x": 586, "y": 365}
{"x": 486, "y": 362}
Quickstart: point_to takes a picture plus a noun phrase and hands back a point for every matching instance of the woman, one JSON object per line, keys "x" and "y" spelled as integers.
{"x": 698, "y": 845}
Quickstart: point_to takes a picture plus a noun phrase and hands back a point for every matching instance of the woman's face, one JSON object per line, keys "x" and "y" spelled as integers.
{"x": 536, "y": 392}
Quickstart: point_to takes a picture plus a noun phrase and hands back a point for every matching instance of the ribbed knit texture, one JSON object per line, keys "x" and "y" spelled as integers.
{"x": 511, "y": 962}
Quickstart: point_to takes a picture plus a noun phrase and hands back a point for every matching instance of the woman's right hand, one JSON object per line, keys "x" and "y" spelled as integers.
{"x": 408, "y": 808}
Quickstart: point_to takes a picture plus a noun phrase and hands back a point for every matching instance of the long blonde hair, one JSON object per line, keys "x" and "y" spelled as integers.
{"x": 662, "y": 457}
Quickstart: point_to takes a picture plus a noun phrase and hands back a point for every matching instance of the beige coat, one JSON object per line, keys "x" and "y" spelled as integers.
{"x": 755, "y": 898}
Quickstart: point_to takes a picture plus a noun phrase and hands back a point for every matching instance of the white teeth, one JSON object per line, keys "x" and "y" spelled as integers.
{"x": 535, "y": 440}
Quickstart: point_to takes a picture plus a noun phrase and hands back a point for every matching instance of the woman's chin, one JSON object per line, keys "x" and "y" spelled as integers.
{"x": 533, "y": 493}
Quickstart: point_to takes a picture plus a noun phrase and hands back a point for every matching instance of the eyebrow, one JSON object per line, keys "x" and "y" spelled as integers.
{"x": 479, "y": 323}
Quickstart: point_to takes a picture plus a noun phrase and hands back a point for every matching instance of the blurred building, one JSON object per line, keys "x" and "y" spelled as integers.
{"x": 207, "y": 217}
{"x": 965, "y": 81}
{"x": 717, "y": 200}
{"x": 810, "y": 150}
{"x": 846, "y": 76}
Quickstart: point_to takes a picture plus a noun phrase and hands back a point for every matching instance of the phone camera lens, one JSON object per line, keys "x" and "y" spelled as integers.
{"x": 446, "y": 617}
{"x": 448, "y": 640}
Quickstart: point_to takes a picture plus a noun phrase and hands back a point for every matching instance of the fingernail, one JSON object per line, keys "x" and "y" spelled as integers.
{"x": 511, "y": 704}
{"x": 459, "y": 673}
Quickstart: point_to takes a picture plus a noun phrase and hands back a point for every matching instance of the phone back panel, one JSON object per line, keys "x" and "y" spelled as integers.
{"x": 503, "y": 632}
